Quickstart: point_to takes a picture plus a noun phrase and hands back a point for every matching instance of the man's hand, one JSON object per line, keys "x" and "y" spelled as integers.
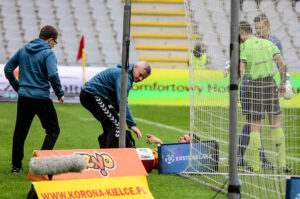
{"x": 61, "y": 99}
{"x": 152, "y": 139}
{"x": 136, "y": 131}
{"x": 226, "y": 69}
{"x": 282, "y": 89}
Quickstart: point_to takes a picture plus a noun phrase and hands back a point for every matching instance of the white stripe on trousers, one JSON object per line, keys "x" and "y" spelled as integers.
{"x": 108, "y": 114}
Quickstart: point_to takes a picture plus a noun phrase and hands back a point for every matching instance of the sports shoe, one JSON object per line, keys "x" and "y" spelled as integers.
{"x": 249, "y": 169}
{"x": 284, "y": 170}
{"x": 16, "y": 170}
{"x": 267, "y": 165}
{"x": 242, "y": 162}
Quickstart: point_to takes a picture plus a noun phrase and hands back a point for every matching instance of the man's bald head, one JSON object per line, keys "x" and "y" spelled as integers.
{"x": 144, "y": 65}
{"x": 141, "y": 70}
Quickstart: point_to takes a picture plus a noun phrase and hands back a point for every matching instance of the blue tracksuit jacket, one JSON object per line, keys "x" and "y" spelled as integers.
{"x": 37, "y": 69}
{"x": 107, "y": 84}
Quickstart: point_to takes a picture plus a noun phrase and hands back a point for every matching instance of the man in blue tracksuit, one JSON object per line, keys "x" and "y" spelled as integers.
{"x": 37, "y": 70}
{"x": 101, "y": 96}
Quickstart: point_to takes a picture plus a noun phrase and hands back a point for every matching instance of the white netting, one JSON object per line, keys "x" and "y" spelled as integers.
{"x": 264, "y": 175}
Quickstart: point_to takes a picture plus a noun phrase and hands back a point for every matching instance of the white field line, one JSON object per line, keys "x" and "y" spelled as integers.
{"x": 162, "y": 125}
{"x": 293, "y": 158}
{"x": 148, "y": 122}
{"x": 87, "y": 119}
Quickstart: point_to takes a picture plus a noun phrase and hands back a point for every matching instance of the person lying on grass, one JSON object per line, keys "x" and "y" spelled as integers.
{"x": 183, "y": 139}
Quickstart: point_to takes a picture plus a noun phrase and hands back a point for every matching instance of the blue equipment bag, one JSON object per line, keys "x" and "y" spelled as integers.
{"x": 293, "y": 188}
{"x": 174, "y": 158}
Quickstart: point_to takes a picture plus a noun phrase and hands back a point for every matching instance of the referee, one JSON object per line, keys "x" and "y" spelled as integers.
{"x": 261, "y": 95}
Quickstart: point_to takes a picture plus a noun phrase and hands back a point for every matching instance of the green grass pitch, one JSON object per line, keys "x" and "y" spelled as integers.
{"x": 80, "y": 131}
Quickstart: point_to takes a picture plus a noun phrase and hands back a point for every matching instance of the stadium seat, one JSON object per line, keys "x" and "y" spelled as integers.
{"x": 267, "y": 5}
{"x": 296, "y": 41}
{"x": 251, "y": 15}
{"x": 11, "y": 22}
{"x": 217, "y": 6}
{"x": 59, "y": 55}
{"x": 219, "y": 17}
{"x": 223, "y": 29}
{"x": 109, "y": 46}
{"x": 297, "y": 7}
{"x": 65, "y": 24}
{"x": 31, "y": 33}
{"x": 62, "y": 3}
{"x": 291, "y": 56}
{"x": 227, "y": 6}
{"x": 275, "y": 23}
{"x": 288, "y": 15}
{"x": 2, "y": 51}
{"x": 132, "y": 53}
{"x": 282, "y": 6}
{"x": 78, "y": 3}
{"x": 201, "y": 16}
{"x": 94, "y": 58}
{"x": 115, "y": 5}
{"x": 287, "y": 44}
{"x": 103, "y": 26}
{"x": 205, "y": 26}
{"x": 225, "y": 40}
{"x": 14, "y": 45}
{"x": 63, "y": 12}
{"x": 29, "y": 22}
{"x": 293, "y": 28}
{"x": 210, "y": 39}
{"x": 270, "y": 12}
{"x": 218, "y": 60}
{"x": 46, "y": 16}
{"x": 249, "y": 6}
{"x": 13, "y": 33}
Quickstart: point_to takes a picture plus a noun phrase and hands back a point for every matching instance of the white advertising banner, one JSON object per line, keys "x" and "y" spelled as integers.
{"x": 70, "y": 77}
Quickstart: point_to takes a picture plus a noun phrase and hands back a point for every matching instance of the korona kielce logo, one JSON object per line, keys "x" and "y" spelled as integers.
{"x": 99, "y": 162}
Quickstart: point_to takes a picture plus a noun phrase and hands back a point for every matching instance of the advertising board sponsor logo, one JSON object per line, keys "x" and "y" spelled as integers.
{"x": 99, "y": 161}
{"x": 170, "y": 158}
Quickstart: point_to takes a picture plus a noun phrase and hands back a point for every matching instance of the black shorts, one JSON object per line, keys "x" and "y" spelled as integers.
{"x": 261, "y": 96}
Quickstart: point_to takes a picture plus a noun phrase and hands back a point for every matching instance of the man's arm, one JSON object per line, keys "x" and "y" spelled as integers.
{"x": 129, "y": 119}
{"x": 152, "y": 139}
{"x": 130, "y": 122}
{"x": 282, "y": 70}
{"x": 242, "y": 68}
{"x": 53, "y": 77}
{"x": 9, "y": 68}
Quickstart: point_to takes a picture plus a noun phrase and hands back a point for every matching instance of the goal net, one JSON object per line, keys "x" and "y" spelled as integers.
{"x": 269, "y": 144}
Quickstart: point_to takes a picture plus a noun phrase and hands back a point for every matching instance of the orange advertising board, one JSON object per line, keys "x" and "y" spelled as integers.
{"x": 101, "y": 163}
{"x": 118, "y": 187}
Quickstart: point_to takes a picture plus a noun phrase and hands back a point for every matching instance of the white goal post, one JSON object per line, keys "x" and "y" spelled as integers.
{"x": 263, "y": 175}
